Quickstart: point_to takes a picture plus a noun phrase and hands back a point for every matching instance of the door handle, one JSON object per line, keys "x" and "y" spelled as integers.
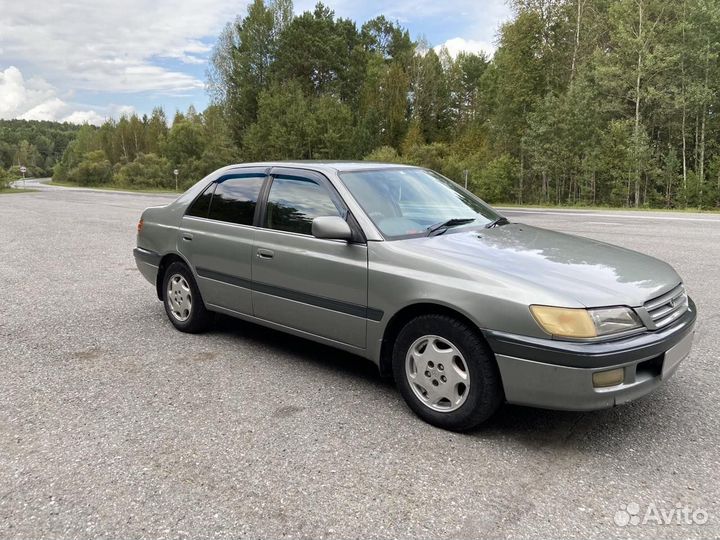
{"x": 187, "y": 236}
{"x": 263, "y": 253}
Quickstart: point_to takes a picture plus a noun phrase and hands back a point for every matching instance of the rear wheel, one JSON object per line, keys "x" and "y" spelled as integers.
{"x": 183, "y": 303}
{"x": 446, "y": 373}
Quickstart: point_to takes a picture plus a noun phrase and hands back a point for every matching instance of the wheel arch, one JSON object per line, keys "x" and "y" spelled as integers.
{"x": 405, "y": 315}
{"x": 166, "y": 261}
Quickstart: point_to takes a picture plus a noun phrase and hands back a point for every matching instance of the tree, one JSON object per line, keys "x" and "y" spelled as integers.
{"x": 292, "y": 125}
{"x": 27, "y": 154}
{"x": 37, "y": 144}
{"x": 471, "y": 68}
{"x": 156, "y": 130}
{"x": 4, "y": 179}
{"x": 519, "y": 80}
{"x": 383, "y": 103}
{"x": 185, "y": 141}
{"x": 282, "y": 128}
{"x": 324, "y": 55}
{"x": 394, "y": 103}
{"x": 93, "y": 169}
{"x": 240, "y": 63}
{"x": 431, "y": 96}
{"x": 631, "y": 69}
{"x": 145, "y": 171}
{"x": 388, "y": 40}
{"x": 498, "y": 180}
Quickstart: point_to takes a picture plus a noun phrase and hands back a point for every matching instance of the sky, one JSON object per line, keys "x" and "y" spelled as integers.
{"x": 88, "y": 60}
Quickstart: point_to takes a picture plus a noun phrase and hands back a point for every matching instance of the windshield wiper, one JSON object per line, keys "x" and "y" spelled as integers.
{"x": 496, "y": 222}
{"x": 439, "y": 228}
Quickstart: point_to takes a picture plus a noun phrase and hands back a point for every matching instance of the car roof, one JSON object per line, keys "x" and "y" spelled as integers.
{"x": 324, "y": 166}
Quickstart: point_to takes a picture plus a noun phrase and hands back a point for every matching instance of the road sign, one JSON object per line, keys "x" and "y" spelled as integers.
{"x": 23, "y": 169}
{"x": 176, "y": 172}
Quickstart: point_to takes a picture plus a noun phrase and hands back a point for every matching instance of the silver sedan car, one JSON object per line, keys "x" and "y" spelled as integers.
{"x": 402, "y": 266}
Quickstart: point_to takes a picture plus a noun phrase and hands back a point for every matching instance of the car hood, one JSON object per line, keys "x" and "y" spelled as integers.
{"x": 592, "y": 273}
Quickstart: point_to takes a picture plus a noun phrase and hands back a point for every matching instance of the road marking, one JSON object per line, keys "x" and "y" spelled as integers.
{"x": 614, "y": 216}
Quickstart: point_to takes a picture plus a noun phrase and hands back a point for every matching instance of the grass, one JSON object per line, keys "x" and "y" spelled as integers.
{"x": 13, "y": 191}
{"x": 115, "y": 188}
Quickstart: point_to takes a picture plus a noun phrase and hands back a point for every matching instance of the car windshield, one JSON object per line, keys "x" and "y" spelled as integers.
{"x": 405, "y": 203}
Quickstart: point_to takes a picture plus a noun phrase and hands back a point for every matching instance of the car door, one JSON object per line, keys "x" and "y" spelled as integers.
{"x": 217, "y": 238}
{"x": 314, "y": 285}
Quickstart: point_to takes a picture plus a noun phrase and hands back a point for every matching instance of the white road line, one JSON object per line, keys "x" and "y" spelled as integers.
{"x": 614, "y": 216}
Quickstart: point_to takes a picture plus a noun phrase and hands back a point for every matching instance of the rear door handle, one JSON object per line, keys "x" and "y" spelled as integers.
{"x": 187, "y": 236}
{"x": 263, "y": 253}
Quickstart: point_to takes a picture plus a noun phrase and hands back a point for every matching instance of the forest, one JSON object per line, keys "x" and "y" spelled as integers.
{"x": 38, "y": 145}
{"x": 585, "y": 102}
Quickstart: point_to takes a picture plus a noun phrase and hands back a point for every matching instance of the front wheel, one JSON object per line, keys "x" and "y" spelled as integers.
{"x": 183, "y": 304}
{"x": 446, "y": 373}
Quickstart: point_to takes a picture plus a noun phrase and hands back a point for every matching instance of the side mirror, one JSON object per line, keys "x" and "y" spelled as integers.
{"x": 331, "y": 228}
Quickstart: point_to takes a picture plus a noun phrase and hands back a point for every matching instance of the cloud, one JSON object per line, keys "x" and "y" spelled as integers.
{"x": 110, "y": 46}
{"x": 47, "y": 110}
{"x": 457, "y": 45}
{"x": 155, "y": 49}
{"x": 18, "y": 97}
{"x": 84, "y": 117}
{"x": 35, "y": 99}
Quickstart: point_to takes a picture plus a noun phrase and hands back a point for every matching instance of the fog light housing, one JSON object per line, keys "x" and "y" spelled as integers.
{"x": 611, "y": 377}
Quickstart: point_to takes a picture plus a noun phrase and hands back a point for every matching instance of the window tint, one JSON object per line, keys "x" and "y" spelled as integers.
{"x": 201, "y": 205}
{"x": 235, "y": 199}
{"x": 294, "y": 203}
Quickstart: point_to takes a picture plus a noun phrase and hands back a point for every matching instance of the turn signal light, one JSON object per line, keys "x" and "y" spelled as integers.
{"x": 140, "y": 225}
{"x": 611, "y": 377}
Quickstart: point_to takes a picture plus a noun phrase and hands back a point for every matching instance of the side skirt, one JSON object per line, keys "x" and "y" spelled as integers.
{"x": 299, "y": 333}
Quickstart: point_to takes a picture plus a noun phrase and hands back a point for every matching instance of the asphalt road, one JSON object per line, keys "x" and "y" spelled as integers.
{"x": 113, "y": 424}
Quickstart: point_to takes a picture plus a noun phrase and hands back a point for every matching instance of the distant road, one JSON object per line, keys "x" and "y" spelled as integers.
{"x": 45, "y": 184}
{"x": 657, "y": 215}
{"x": 31, "y": 183}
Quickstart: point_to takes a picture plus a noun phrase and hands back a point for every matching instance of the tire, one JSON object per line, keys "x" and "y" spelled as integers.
{"x": 183, "y": 304}
{"x": 446, "y": 372}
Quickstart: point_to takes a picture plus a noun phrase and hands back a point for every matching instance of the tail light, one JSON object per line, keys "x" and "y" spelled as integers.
{"x": 140, "y": 225}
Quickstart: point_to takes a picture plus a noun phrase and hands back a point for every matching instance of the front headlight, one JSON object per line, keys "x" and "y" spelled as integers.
{"x": 614, "y": 320}
{"x": 585, "y": 323}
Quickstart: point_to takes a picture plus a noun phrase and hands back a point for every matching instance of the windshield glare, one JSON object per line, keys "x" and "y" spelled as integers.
{"x": 405, "y": 202}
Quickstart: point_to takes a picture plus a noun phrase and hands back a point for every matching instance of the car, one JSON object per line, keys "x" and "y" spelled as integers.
{"x": 400, "y": 265}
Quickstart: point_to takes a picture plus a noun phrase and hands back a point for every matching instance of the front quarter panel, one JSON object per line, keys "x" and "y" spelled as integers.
{"x": 401, "y": 277}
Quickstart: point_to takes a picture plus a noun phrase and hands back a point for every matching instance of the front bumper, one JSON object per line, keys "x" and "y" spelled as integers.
{"x": 555, "y": 374}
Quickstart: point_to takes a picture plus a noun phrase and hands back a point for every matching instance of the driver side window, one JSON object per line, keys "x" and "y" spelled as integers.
{"x": 294, "y": 202}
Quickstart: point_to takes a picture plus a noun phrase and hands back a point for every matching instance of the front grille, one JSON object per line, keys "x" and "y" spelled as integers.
{"x": 666, "y": 308}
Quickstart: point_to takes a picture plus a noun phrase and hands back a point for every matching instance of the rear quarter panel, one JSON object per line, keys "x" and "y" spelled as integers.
{"x": 161, "y": 223}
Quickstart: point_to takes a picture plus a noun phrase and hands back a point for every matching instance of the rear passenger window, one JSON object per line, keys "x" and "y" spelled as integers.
{"x": 235, "y": 199}
{"x": 201, "y": 205}
{"x": 293, "y": 204}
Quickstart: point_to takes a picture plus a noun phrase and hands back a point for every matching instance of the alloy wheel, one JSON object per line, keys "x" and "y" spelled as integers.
{"x": 437, "y": 373}
{"x": 179, "y": 297}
